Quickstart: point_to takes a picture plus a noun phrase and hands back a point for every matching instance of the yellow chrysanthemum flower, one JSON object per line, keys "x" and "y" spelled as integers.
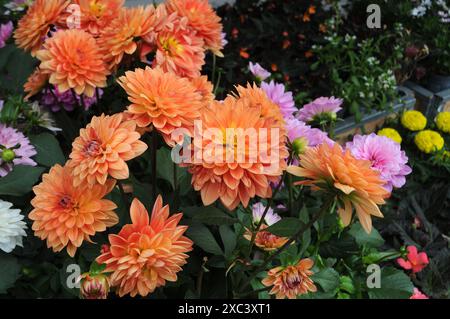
{"x": 443, "y": 121}
{"x": 414, "y": 120}
{"x": 429, "y": 141}
{"x": 391, "y": 133}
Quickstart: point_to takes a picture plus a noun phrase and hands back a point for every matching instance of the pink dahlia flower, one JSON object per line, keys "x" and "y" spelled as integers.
{"x": 415, "y": 261}
{"x": 258, "y": 71}
{"x": 15, "y": 149}
{"x": 5, "y": 33}
{"x": 385, "y": 155}
{"x": 313, "y": 136}
{"x": 277, "y": 93}
{"x": 418, "y": 294}
{"x": 323, "y": 106}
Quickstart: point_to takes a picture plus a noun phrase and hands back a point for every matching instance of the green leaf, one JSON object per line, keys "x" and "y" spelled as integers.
{"x": 373, "y": 240}
{"x": 211, "y": 215}
{"x": 165, "y": 167}
{"x": 286, "y": 227}
{"x": 48, "y": 150}
{"x": 328, "y": 279}
{"x": 20, "y": 181}
{"x": 306, "y": 237}
{"x": 96, "y": 268}
{"x": 228, "y": 239}
{"x": 10, "y": 272}
{"x": 203, "y": 238}
{"x": 395, "y": 284}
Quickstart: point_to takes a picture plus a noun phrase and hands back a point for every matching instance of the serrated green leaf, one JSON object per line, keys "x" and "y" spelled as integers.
{"x": 286, "y": 227}
{"x": 394, "y": 284}
{"x": 372, "y": 240}
{"x": 327, "y": 279}
{"x": 203, "y": 238}
{"x": 211, "y": 215}
{"x": 10, "y": 272}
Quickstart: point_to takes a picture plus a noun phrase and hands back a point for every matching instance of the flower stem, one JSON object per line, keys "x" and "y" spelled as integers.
{"x": 154, "y": 146}
{"x": 176, "y": 189}
{"x": 325, "y": 208}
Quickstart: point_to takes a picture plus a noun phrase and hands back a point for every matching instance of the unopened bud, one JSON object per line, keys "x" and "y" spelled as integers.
{"x": 8, "y": 155}
{"x": 94, "y": 286}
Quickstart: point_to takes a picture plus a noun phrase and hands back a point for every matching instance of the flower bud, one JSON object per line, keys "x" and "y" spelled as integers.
{"x": 8, "y": 155}
{"x": 94, "y": 286}
{"x": 299, "y": 145}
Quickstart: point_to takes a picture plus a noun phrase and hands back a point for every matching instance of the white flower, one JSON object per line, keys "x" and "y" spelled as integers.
{"x": 12, "y": 227}
{"x": 271, "y": 217}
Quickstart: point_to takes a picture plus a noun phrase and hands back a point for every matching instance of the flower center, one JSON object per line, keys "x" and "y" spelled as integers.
{"x": 93, "y": 148}
{"x": 65, "y": 202}
{"x": 293, "y": 281}
{"x": 171, "y": 46}
{"x": 97, "y": 8}
{"x": 8, "y": 155}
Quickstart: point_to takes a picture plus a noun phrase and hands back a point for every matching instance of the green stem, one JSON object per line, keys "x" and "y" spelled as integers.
{"x": 325, "y": 208}
{"x": 213, "y": 77}
{"x": 154, "y": 147}
{"x": 176, "y": 194}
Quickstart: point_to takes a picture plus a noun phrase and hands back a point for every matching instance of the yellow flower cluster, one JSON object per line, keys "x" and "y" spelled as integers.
{"x": 429, "y": 141}
{"x": 391, "y": 133}
{"x": 443, "y": 121}
{"x": 413, "y": 120}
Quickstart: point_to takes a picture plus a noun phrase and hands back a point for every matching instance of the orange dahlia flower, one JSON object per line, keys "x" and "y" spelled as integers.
{"x": 95, "y": 15}
{"x": 203, "y": 19}
{"x": 102, "y": 149}
{"x": 120, "y": 37}
{"x": 236, "y": 167}
{"x": 35, "y": 24}
{"x": 266, "y": 240}
{"x": 148, "y": 252}
{"x": 180, "y": 50}
{"x": 162, "y": 99}
{"x": 35, "y": 83}
{"x": 73, "y": 60}
{"x": 291, "y": 281}
{"x": 352, "y": 181}
{"x": 205, "y": 88}
{"x": 65, "y": 215}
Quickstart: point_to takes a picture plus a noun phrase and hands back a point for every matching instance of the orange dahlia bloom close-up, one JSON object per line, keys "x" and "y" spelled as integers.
{"x": 73, "y": 61}
{"x": 121, "y": 36}
{"x": 203, "y": 19}
{"x": 266, "y": 240}
{"x": 33, "y": 27}
{"x": 232, "y": 167}
{"x": 352, "y": 181}
{"x": 205, "y": 88}
{"x": 162, "y": 99}
{"x": 95, "y": 15}
{"x": 103, "y": 148}
{"x": 148, "y": 252}
{"x": 66, "y": 215}
{"x": 180, "y": 50}
{"x": 35, "y": 83}
{"x": 291, "y": 281}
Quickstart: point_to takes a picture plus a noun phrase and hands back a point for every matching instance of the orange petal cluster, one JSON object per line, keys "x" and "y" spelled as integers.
{"x": 162, "y": 99}
{"x": 120, "y": 37}
{"x": 65, "y": 215}
{"x": 179, "y": 50}
{"x": 103, "y": 148}
{"x": 205, "y": 88}
{"x": 291, "y": 281}
{"x": 146, "y": 253}
{"x": 353, "y": 181}
{"x": 236, "y": 172}
{"x": 35, "y": 83}
{"x": 33, "y": 27}
{"x": 203, "y": 19}
{"x": 266, "y": 240}
{"x": 96, "y": 15}
{"x": 73, "y": 61}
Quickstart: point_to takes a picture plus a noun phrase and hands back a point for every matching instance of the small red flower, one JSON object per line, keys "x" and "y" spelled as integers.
{"x": 415, "y": 261}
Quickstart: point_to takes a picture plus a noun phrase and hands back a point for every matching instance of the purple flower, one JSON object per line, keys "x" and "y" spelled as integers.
{"x": 270, "y": 218}
{"x": 67, "y": 100}
{"x": 223, "y": 35}
{"x": 385, "y": 155}
{"x": 277, "y": 93}
{"x": 258, "y": 71}
{"x": 15, "y": 149}
{"x": 5, "y": 33}
{"x": 323, "y": 106}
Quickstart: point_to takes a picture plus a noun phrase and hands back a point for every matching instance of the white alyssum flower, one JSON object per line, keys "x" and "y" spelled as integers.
{"x": 12, "y": 227}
